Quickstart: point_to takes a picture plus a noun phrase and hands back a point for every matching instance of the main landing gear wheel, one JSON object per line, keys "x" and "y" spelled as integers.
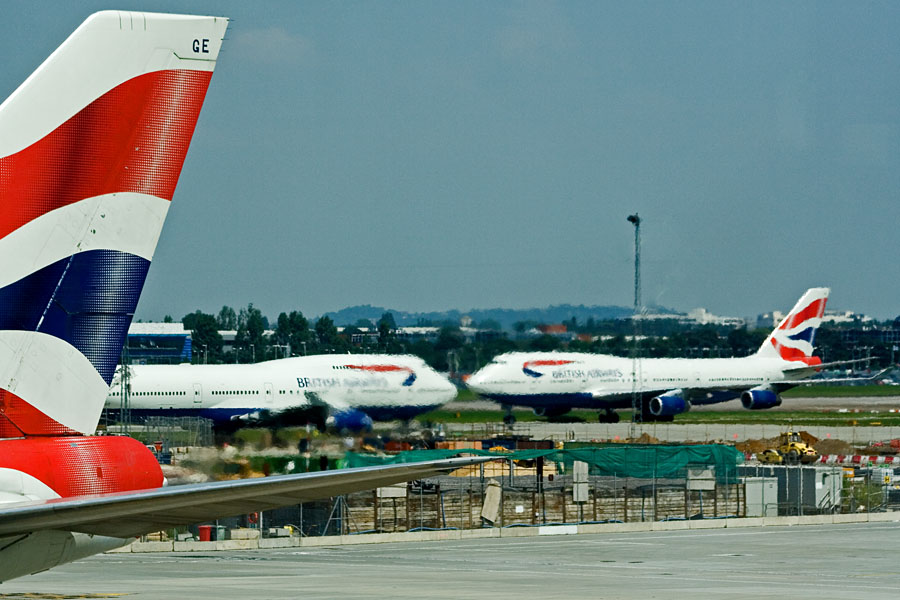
{"x": 509, "y": 418}
{"x": 608, "y": 416}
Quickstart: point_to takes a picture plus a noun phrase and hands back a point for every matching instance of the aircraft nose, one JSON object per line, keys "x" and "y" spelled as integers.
{"x": 476, "y": 381}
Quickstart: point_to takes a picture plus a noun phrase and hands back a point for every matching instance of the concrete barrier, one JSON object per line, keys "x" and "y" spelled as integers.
{"x": 557, "y": 530}
{"x": 669, "y": 525}
{"x": 888, "y": 517}
{"x": 279, "y": 542}
{"x": 244, "y": 534}
{"x": 853, "y": 518}
{"x": 745, "y": 522}
{"x": 237, "y": 545}
{"x": 486, "y": 532}
{"x": 152, "y": 546}
{"x": 511, "y": 532}
{"x": 193, "y": 546}
{"x": 708, "y": 523}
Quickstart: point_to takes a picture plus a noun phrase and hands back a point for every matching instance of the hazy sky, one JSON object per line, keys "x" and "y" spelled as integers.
{"x": 468, "y": 154}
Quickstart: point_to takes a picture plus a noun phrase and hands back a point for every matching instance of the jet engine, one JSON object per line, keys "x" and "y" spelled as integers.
{"x": 760, "y": 398}
{"x": 350, "y": 420}
{"x": 669, "y": 404}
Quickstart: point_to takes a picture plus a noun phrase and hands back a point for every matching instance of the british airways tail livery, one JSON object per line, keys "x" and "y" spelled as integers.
{"x": 553, "y": 383}
{"x": 91, "y": 147}
{"x": 792, "y": 340}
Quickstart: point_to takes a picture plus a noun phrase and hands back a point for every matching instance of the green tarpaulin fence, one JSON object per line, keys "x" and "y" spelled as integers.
{"x": 645, "y": 462}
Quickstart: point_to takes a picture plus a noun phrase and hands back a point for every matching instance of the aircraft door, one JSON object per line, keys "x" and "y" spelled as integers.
{"x": 269, "y": 398}
{"x": 198, "y": 396}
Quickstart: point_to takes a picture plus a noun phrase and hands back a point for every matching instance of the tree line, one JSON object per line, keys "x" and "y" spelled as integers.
{"x": 292, "y": 334}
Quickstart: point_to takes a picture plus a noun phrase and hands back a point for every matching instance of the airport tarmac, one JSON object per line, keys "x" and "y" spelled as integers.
{"x": 808, "y": 561}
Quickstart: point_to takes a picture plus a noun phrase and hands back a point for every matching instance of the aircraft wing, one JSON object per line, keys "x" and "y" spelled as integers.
{"x": 789, "y": 383}
{"x": 816, "y": 368}
{"x": 131, "y": 514}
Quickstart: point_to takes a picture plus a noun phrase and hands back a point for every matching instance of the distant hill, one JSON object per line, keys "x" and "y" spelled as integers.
{"x": 506, "y": 317}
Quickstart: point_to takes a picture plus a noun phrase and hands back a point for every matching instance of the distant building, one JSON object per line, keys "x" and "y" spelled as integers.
{"x": 555, "y": 329}
{"x": 158, "y": 343}
{"x": 772, "y": 319}
{"x": 697, "y": 316}
{"x": 769, "y": 320}
{"x": 846, "y": 316}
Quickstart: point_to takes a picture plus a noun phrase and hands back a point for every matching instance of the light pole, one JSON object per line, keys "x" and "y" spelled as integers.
{"x": 635, "y": 319}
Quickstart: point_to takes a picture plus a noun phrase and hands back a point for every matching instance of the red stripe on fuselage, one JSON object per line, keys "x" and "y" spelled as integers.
{"x": 814, "y": 310}
{"x": 132, "y": 139}
{"x": 380, "y": 368}
{"x": 75, "y": 466}
{"x": 26, "y": 419}
{"x": 546, "y": 363}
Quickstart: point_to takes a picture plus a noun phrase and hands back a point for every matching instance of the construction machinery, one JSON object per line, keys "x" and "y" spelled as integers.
{"x": 790, "y": 450}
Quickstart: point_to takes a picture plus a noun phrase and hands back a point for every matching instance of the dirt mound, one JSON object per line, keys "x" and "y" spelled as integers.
{"x": 753, "y": 446}
{"x": 808, "y": 438}
{"x": 829, "y": 446}
{"x": 645, "y": 438}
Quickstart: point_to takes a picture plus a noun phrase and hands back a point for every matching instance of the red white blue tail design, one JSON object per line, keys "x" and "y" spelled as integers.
{"x": 91, "y": 148}
{"x": 793, "y": 339}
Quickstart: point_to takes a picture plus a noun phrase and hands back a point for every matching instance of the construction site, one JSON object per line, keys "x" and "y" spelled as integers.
{"x": 536, "y": 482}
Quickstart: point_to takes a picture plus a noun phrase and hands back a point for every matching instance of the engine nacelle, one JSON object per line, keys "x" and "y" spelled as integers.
{"x": 669, "y": 404}
{"x": 760, "y": 398}
{"x": 350, "y": 420}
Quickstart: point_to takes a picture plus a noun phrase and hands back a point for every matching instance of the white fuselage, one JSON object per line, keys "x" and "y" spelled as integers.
{"x": 550, "y": 379}
{"x": 383, "y": 387}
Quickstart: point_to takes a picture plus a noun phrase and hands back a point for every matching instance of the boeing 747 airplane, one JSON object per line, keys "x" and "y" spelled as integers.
{"x": 553, "y": 383}
{"x": 346, "y": 391}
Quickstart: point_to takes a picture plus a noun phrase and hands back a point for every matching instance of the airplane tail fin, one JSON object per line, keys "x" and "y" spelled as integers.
{"x": 91, "y": 148}
{"x": 792, "y": 339}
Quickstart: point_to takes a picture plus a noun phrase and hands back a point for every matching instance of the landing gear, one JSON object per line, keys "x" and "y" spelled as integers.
{"x": 608, "y": 416}
{"x": 509, "y": 418}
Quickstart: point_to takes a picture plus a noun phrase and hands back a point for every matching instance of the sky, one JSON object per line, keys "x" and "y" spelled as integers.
{"x": 431, "y": 155}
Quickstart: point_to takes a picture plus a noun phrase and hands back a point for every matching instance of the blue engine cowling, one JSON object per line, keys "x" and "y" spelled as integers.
{"x": 669, "y": 405}
{"x": 760, "y": 399}
{"x": 350, "y": 420}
